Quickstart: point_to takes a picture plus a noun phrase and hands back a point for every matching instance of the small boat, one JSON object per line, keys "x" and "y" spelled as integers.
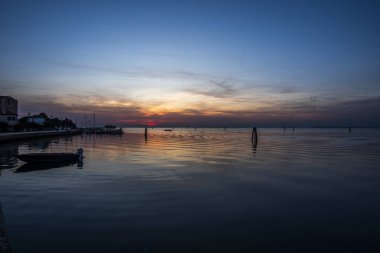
{"x": 108, "y": 129}
{"x": 168, "y": 130}
{"x": 33, "y": 166}
{"x": 52, "y": 157}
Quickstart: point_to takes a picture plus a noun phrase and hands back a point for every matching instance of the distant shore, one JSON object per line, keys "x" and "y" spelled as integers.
{"x": 27, "y": 135}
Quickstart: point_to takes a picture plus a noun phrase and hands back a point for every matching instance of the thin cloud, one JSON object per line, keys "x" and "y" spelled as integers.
{"x": 223, "y": 86}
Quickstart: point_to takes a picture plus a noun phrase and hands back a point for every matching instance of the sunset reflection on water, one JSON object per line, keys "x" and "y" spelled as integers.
{"x": 201, "y": 190}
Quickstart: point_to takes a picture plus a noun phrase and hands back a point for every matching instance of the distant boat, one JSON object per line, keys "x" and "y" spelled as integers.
{"x": 52, "y": 157}
{"x": 108, "y": 129}
{"x": 168, "y": 130}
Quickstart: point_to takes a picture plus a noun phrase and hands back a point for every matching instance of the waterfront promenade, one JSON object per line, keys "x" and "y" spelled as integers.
{"x": 26, "y": 135}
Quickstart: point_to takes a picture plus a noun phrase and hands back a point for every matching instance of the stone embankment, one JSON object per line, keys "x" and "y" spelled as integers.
{"x": 27, "y": 135}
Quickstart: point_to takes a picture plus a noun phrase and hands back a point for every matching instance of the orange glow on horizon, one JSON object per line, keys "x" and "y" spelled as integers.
{"x": 148, "y": 123}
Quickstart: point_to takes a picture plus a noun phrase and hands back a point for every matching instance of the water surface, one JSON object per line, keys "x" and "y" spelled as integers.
{"x": 204, "y": 190}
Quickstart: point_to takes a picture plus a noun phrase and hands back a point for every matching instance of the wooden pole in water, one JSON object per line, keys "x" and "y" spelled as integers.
{"x": 254, "y": 137}
{"x": 349, "y": 129}
{"x": 146, "y": 133}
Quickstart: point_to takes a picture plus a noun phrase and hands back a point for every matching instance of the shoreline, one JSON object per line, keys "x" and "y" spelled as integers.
{"x": 28, "y": 135}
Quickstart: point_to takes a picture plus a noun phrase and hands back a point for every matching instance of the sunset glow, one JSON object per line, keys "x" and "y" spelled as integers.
{"x": 180, "y": 63}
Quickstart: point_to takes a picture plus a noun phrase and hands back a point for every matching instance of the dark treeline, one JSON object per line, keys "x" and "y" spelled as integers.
{"x": 39, "y": 122}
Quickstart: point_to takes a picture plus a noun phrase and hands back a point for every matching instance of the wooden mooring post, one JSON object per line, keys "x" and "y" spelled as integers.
{"x": 146, "y": 133}
{"x": 254, "y": 137}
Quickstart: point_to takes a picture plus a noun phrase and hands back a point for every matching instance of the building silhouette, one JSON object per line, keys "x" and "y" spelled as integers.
{"x": 8, "y": 110}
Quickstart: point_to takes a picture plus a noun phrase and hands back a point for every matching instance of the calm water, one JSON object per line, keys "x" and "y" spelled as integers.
{"x": 312, "y": 190}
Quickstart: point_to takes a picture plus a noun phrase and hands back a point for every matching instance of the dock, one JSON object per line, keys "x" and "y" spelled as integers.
{"x": 28, "y": 135}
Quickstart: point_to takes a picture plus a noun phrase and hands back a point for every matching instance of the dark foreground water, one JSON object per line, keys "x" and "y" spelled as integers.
{"x": 209, "y": 190}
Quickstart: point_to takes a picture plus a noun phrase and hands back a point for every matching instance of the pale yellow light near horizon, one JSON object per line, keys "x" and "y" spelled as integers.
{"x": 157, "y": 102}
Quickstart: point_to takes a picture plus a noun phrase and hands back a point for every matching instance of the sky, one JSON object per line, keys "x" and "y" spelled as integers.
{"x": 194, "y": 63}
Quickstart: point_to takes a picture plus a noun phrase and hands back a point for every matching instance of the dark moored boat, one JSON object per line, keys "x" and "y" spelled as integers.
{"x": 41, "y": 166}
{"x": 51, "y": 157}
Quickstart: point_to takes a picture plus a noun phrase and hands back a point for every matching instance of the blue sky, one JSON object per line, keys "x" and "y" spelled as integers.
{"x": 205, "y": 63}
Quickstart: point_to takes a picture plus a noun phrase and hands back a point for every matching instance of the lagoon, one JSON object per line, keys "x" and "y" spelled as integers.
{"x": 204, "y": 190}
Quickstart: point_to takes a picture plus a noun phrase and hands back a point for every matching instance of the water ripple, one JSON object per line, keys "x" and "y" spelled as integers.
{"x": 198, "y": 186}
